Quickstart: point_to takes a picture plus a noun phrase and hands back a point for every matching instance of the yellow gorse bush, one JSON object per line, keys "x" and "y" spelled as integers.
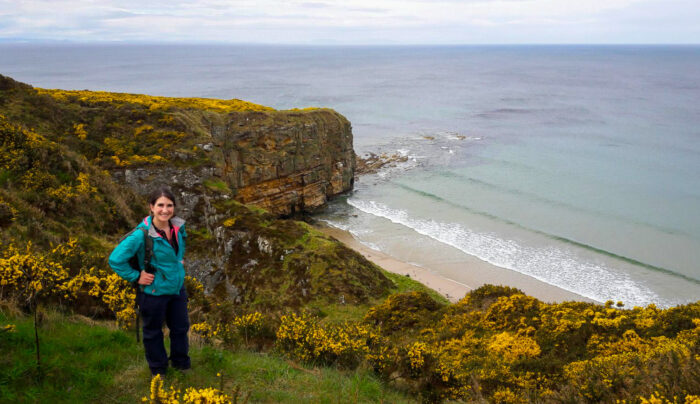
{"x": 632, "y": 361}
{"x": 67, "y": 192}
{"x": 513, "y": 347}
{"x": 505, "y": 396}
{"x": 252, "y": 321}
{"x": 205, "y": 330}
{"x": 249, "y": 328}
{"x": 126, "y": 150}
{"x": 143, "y": 129}
{"x": 416, "y": 355}
{"x": 14, "y": 139}
{"x": 207, "y": 395}
{"x": 31, "y": 275}
{"x": 502, "y": 346}
{"x": 28, "y": 275}
{"x": 655, "y": 399}
{"x": 79, "y": 131}
{"x": 304, "y": 339}
{"x": 153, "y": 102}
{"x": 159, "y": 395}
{"x": 40, "y": 170}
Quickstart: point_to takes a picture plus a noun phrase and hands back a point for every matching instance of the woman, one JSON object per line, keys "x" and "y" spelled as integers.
{"x": 161, "y": 297}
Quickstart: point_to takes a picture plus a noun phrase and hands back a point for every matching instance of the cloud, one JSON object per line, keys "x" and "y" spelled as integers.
{"x": 314, "y": 5}
{"x": 351, "y": 21}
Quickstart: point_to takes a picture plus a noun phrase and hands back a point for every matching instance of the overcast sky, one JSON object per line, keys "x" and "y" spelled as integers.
{"x": 353, "y": 21}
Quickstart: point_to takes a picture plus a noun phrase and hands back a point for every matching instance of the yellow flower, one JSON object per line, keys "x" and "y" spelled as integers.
{"x": 79, "y": 130}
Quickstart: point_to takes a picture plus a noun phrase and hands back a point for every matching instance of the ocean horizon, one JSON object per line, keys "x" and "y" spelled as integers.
{"x": 578, "y": 165}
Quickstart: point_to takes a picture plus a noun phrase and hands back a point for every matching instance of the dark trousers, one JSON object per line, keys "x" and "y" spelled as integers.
{"x": 171, "y": 309}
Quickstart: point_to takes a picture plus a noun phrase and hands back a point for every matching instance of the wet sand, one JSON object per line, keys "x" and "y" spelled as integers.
{"x": 455, "y": 279}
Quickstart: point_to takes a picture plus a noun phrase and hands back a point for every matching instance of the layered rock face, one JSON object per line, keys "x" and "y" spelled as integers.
{"x": 283, "y": 161}
{"x": 286, "y": 162}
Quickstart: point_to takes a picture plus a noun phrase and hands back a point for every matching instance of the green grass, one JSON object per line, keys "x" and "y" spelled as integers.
{"x": 202, "y": 233}
{"x": 338, "y": 313}
{"x": 76, "y": 359}
{"x": 217, "y": 185}
{"x": 5, "y": 176}
{"x": 406, "y": 284}
{"x": 87, "y": 361}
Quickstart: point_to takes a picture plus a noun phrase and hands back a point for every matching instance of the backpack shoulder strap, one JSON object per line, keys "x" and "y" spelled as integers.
{"x": 148, "y": 245}
{"x": 127, "y": 235}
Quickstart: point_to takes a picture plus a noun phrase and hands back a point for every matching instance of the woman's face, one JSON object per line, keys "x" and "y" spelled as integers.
{"x": 163, "y": 209}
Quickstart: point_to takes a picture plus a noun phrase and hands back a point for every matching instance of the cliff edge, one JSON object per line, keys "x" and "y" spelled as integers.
{"x": 283, "y": 161}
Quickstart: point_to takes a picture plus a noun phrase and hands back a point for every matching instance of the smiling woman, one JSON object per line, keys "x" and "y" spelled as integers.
{"x": 161, "y": 294}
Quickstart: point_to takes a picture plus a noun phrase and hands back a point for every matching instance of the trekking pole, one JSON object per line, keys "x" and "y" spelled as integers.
{"x": 138, "y": 314}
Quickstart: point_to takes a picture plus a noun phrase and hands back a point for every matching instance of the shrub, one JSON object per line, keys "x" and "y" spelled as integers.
{"x": 303, "y": 339}
{"x": 207, "y": 395}
{"x": 407, "y": 312}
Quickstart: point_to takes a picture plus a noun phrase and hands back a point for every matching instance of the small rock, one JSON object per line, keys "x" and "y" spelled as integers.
{"x": 181, "y": 156}
{"x": 372, "y": 163}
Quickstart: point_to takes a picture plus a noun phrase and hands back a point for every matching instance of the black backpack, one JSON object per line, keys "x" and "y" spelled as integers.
{"x": 134, "y": 263}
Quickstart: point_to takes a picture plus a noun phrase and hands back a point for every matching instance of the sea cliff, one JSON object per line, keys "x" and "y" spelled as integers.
{"x": 282, "y": 161}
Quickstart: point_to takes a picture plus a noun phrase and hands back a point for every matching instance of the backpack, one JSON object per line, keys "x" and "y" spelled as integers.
{"x": 134, "y": 263}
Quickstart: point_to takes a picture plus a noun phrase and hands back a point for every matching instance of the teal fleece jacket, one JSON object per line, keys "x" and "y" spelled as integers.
{"x": 170, "y": 269}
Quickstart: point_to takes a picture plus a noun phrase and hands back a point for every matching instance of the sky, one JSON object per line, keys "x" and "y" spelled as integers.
{"x": 353, "y": 22}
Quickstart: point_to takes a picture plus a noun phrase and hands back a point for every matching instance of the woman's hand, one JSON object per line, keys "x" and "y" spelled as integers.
{"x": 146, "y": 278}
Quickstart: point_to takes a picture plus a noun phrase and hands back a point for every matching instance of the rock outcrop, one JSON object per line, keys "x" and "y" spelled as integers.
{"x": 283, "y": 161}
{"x": 288, "y": 161}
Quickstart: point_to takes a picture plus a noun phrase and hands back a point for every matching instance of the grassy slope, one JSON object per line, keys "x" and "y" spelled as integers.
{"x": 338, "y": 313}
{"x": 85, "y": 361}
{"x": 88, "y": 361}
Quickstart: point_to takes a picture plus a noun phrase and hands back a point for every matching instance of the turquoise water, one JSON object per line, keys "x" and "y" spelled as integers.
{"x": 577, "y": 165}
{"x": 586, "y": 227}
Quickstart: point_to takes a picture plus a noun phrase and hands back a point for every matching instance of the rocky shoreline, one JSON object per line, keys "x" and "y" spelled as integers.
{"x": 371, "y": 163}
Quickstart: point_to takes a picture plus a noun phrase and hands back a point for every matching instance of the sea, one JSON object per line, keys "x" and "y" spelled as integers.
{"x": 576, "y": 165}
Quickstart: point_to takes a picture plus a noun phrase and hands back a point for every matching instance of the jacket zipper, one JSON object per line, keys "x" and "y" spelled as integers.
{"x": 171, "y": 247}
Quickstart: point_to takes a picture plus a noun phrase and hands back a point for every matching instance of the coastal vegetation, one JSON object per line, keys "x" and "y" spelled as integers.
{"x": 279, "y": 312}
{"x": 90, "y": 360}
{"x": 152, "y": 102}
{"x": 496, "y": 344}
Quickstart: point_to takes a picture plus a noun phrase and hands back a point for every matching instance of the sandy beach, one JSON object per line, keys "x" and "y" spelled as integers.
{"x": 455, "y": 279}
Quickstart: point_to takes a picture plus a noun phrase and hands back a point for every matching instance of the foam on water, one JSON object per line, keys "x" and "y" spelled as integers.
{"x": 356, "y": 233}
{"x": 550, "y": 264}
